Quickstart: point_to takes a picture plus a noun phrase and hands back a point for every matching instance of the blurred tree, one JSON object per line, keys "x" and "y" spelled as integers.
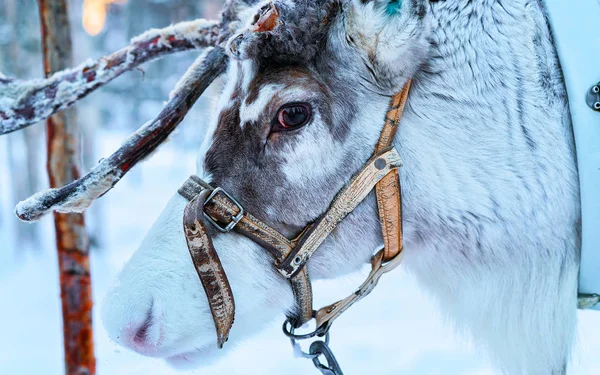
{"x": 19, "y": 43}
{"x": 72, "y": 245}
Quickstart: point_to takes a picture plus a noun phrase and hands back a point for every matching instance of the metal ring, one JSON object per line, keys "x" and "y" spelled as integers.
{"x": 289, "y": 332}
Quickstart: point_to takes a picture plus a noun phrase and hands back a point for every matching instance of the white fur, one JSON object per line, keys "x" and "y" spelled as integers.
{"x": 251, "y": 112}
{"x": 248, "y": 73}
{"x": 224, "y": 98}
{"x": 491, "y": 222}
{"x": 161, "y": 277}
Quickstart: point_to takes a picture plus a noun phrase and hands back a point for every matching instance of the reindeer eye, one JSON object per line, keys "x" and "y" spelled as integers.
{"x": 292, "y": 116}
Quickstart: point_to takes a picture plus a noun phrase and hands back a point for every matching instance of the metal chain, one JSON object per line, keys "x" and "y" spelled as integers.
{"x": 317, "y": 349}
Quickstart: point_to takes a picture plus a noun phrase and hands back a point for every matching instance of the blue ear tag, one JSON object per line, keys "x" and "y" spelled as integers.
{"x": 394, "y": 6}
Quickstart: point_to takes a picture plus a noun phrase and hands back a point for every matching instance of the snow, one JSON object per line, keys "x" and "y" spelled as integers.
{"x": 193, "y": 31}
{"x": 68, "y": 91}
{"x": 103, "y": 177}
{"x": 379, "y": 335}
{"x": 72, "y": 84}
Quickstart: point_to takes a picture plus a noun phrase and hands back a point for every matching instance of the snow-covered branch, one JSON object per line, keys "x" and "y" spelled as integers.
{"x": 78, "y": 195}
{"x": 23, "y": 103}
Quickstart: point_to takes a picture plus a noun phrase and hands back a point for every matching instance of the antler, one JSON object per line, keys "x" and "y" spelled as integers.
{"x": 23, "y": 103}
{"x": 78, "y": 195}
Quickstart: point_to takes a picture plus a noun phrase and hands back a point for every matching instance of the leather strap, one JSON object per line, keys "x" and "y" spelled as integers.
{"x": 221, "y": 208}
{"x": 389, "y": 203}
{"x": 209, "y": 268}
{"x": 290, "y": 256}
{"x": 302, "y": 289}
{"x": 388, "y": 192}
{"x": 392, "y": 118}
{"x": 326, "y": 315}
{"x": 345, "y": 202}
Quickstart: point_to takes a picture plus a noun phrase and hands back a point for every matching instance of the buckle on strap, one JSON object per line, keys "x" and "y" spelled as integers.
{"x": 234, "y": 219}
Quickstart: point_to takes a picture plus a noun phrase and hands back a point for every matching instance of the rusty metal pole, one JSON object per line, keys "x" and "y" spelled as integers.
{"x": 63, "y": 167}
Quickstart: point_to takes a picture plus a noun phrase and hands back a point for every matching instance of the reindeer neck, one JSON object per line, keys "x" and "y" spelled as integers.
{"x": 486, "y": 116}
{"x": 486, "y": 49}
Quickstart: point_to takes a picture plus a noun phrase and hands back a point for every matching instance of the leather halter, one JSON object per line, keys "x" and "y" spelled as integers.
{"x": 219, "y": 208}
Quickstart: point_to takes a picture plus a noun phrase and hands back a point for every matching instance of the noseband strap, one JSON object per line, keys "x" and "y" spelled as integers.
{"x": 221, "y": 209}
{"x": 215, "y": 205}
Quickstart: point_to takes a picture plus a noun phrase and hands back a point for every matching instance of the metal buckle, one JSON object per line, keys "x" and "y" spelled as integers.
{"x": 234, "y": 220}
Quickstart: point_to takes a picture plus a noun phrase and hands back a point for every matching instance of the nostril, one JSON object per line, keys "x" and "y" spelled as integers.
{"x": 141, "y": 335}
{"x": 145, "y": 337}
{"x": 135, "y": 320}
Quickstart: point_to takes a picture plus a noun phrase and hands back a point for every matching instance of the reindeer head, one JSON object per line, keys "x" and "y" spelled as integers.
{"x": 308, "y": 84}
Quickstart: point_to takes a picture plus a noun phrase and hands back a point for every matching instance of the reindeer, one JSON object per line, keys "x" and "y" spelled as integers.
{"x": 489, "y": 177}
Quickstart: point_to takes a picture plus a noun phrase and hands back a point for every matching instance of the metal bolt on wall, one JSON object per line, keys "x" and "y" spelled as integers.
{"x": 593, "y": 97}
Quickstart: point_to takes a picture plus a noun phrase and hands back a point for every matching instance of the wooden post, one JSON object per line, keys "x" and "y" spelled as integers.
{"x": 63, "y": 167}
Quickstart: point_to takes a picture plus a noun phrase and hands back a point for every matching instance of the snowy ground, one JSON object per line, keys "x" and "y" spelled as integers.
{"x": 380, "y": 335}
